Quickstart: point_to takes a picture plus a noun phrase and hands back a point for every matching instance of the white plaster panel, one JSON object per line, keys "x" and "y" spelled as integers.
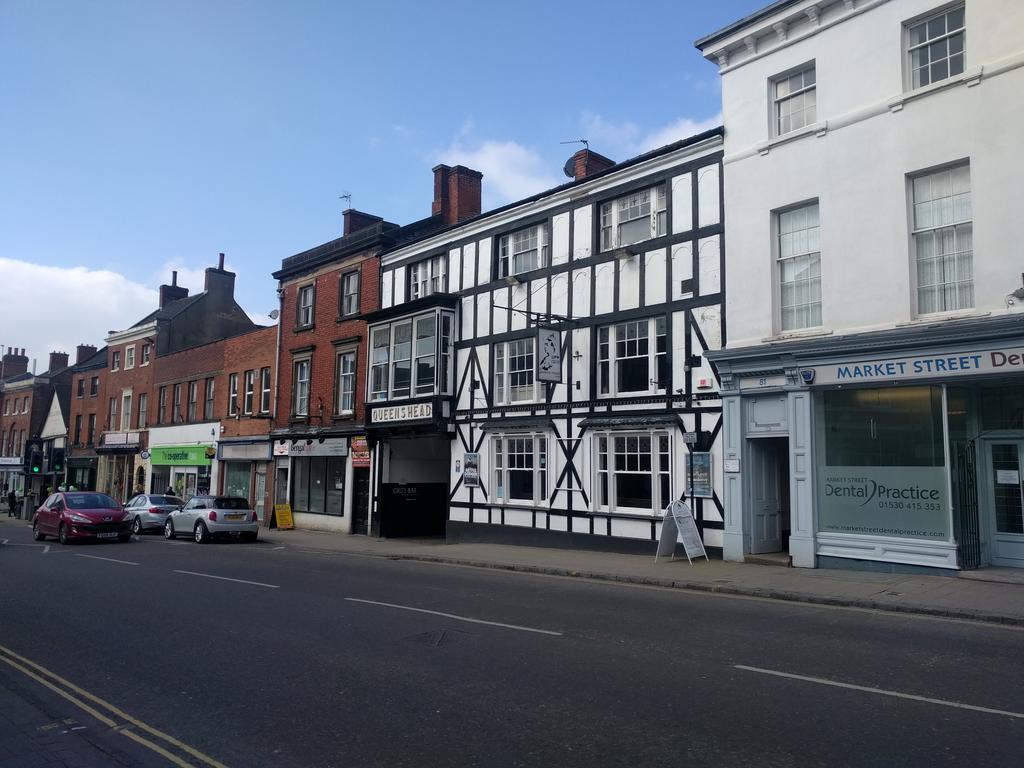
{"x": 539, "y": 295}
{"x": 709, "y": 319}
{"x": 560, "y": 238}
{"x": 580, "y": 525}
{"x": 468, "y": 271}
{"x": 481, "y": 515}
{"x": 580, "y": 292}
{"x": 454, "y": 269}
{"x": 500, "y": 298}
{"x": 580, "y": 366}
{"x": 604, "y": 295}
{"x": 399, "y": 287}
{"x": 519, "y": 294}
{"x": 560, "y": 294}
{"x": 458, "y": 514}
{"x": 484, "y": 257}
{"x": 678, "y": 350}
{"x": 483, "y": 317}
{"x": 631, "y": 529}
{"x": 581, "y": 232}
{"x": 385, "y": 290}
{"x": 520, "y": 517}
{"x": 708, "y": 208}
{"x": 682, "y": 269}
{"x": 467, "y": 317}
{"x": 654, "y": 277}
{"x": 682, "y": 203}
{"x": 629, "y": 282}
{"x": 710, "y": 265}
{"x": 558, "y": 522}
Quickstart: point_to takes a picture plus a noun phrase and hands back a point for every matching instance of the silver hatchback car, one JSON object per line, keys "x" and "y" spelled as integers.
{"x": 149, "y": 511}
{"x": 204, "y": 517}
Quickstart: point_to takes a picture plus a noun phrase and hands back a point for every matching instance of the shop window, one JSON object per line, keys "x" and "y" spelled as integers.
{"x": 633, "y": 218}
{"x": 236, "y": 479}
{"x": 881, "y": 463}
{"x": 628, "y": 361}
{"x": 514, "y": 372}
{"x": 318, "y": 485}
{"x": 520, "y": 468}
{"x": 634, "y": 472}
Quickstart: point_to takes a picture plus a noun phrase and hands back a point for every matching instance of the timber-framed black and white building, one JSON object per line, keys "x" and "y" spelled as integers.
{"x": 539, "y": 370}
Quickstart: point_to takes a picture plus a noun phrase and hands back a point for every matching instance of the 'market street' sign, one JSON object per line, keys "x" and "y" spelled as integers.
{"x": 1008, "y": 360}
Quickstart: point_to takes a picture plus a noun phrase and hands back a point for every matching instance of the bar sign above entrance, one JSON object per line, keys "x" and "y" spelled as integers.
{"x": 402, "y": 412}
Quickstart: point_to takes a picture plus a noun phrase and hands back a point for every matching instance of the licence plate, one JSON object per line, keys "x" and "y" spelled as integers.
{"x": 106, "y": 535}
{"x": 234, "y": 517}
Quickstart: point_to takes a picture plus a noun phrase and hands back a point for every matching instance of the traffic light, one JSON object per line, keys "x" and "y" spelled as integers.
{"x": 57, "y": 461}
{"x": 34, "y": 456}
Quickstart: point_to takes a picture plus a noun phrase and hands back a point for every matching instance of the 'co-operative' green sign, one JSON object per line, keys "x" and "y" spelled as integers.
{"x": 180, "y": 455}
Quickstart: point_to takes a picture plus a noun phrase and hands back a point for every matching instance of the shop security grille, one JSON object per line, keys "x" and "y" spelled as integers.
{"x": 966, "y": 518}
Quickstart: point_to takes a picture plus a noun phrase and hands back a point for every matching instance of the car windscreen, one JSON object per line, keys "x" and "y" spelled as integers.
{"x": 90, "y": 501}
{"x": 228, "y": 502}
{"x": 173, "y": 501}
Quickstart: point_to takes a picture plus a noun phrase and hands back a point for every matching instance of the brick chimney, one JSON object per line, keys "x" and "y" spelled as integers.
{"x": 83, "y": 352}
{"x": 172, "y": 292}
{"x": 357, "y": 220}
{"x": 15, "y": 362}
{"x": 586, "y": 163}
{"x": 58, "y": 361}
{"x": 456, "y": 193}
{"x": 219, "y": 283}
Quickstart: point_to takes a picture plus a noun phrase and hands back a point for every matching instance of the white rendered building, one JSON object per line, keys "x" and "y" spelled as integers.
{"x": 872, "y": 383}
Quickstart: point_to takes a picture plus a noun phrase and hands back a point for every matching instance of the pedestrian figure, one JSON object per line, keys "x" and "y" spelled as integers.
{"x": 12, "y": 500}
{"x": 169, "y": 491}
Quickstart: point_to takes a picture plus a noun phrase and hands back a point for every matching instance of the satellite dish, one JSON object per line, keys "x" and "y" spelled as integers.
{"x": 569, "y": 169}
{"x": 274, "y": 314}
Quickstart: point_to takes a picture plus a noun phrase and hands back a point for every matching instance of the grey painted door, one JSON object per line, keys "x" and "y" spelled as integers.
{"x": 765, "y": 496}
{"x": 1006, "y": 473}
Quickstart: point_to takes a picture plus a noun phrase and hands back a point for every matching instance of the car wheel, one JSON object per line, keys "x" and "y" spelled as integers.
{"x": 202, "y": 536}
{"x": 36, "y": 533}
{"x": 168, "y": 530}
{"x": 249, "y": 536}
{"x": 137, "y": 526}
{"x": 62, "y": 534}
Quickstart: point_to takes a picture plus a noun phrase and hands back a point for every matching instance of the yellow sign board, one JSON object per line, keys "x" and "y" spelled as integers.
{"x": 283, "y": 513}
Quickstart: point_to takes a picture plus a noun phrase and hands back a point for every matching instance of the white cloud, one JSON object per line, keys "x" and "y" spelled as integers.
{"x": 511, "y": 171}
{"x": 626, "y": 139}
{"x": 50, "y": 308}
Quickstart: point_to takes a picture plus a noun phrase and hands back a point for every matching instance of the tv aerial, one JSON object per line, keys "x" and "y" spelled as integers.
{"x": 569, "y": 169}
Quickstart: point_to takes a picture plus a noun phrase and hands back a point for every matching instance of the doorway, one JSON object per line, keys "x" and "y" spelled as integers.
{"x": 360, "y": 500}
{"x": 768, "y": 499}
{"x": 1004, "y": 466}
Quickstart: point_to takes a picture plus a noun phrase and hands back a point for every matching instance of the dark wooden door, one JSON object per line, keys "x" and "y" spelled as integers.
{"x": 360, "y": 500}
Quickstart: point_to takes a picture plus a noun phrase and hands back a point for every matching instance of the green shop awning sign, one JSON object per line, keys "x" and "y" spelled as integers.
{"x": 182, "y": 455}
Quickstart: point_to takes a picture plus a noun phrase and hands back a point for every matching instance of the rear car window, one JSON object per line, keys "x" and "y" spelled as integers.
{"x": 90, "y": 501}
{"x": 231, "y": 502}
{"x": 174, "y": 500}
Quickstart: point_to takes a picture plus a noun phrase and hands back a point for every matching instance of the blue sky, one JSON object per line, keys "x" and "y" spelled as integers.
{"x": 141, "y": 136}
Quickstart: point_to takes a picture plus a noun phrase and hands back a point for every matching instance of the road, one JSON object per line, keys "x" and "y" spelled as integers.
{"x": 249, "y": 655}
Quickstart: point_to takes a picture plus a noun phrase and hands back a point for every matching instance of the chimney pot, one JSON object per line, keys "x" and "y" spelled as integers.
{"x": 220, "y": 261}
{"x": 174, "y": 277}
{"x": 457, "y": 193}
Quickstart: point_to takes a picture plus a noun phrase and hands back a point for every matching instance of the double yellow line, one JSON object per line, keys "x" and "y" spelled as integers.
{"x": 115, "y": 719}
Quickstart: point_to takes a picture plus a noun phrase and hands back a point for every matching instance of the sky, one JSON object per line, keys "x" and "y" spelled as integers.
{"x": 138, "y": 137}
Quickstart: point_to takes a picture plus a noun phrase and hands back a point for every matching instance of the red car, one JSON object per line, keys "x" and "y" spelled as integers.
{"x": 76, "y": 515}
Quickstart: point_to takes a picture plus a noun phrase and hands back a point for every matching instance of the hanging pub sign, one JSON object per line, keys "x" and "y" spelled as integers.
{"x": 549, "y": 355}
{"x": 471, "y": 471}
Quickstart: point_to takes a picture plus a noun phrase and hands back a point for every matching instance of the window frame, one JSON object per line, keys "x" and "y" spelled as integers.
{"x": 608, "y": 211}
{"x": 909, "y": 48}
{"x": 382, "y": 359}
{"x": 129, "y": 357}
{"x": 500, "y": 469}
{"x": 115, "y": 363}
{"x": 306, "y": 361}
{"x": 94, "y": 386}
{"x": 607, "y": 378}
{"x": 142, "y": 419}
{"x": 605, "y": 497}
{"x": 112, "y": 415}
{"x": 209, "y": 389}
{"x": 80, "y": 388}
{"x": 436, "y": 267}
{"x": 249, "y": 392}
{"x": 501, "y": 380}
{"x": 176, "y": 415}
{"x": 232, "y": 394}
{"x": 957, "y": 225}
{"x": 193, "y": 400}
{"x": 776, "y": 101}
{"x": 265, "y": 388}
{"x": 505, "y": 256}
{"x": 145, "y": 355}
{"x": 339, "y": 390}
{"x": 300, "y": 308}
{"x": 161, "y": 405}
{"x": 777, "y": 264}
{"x": 344, "y": 294}
{"x": 126, "y": 411}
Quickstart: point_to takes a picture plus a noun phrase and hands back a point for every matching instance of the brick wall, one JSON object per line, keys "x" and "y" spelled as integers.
{"x": 327, "y": 329}
{"x": 89, "y": 404}
{"x": 139, "y": 379}
{"x": 249, "y": 352}
{"x": 193, "y": 364}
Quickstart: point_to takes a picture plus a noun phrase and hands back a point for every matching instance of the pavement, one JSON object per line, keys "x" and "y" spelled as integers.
{"x": 993, "y": 595}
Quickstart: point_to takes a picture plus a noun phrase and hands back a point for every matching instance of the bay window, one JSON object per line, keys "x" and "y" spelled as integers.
{"x": 404, "y": 357}
{"x": 632, "y": 357}
{"x": 523, "y": 251}
{"x": 634, "y": 472}
{"x": 520, "y": 468}
{"x": 633, "y": 218}
{"x": 513, "y": 372}
{"x": 426, "y": 277}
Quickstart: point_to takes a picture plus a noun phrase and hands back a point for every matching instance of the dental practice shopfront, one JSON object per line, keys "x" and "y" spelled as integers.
{"x": 889, "y": 450}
